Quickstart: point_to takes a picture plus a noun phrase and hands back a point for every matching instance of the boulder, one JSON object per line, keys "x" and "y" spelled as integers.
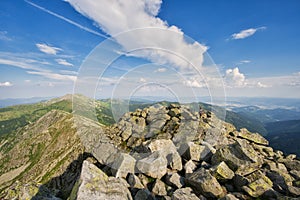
{"x": 204, "y": 183}
{"x": 123, "y": 165}
{"x": 134, "y": 182}
{"x": 231, "y": 155}
{"x": 281, "y": 170}
{"x": 168, "y": 149}
{"x": 254, "y": 184}
{"x": 252, "y": 137}
{"x": 189, "y": 167}
{"x": 245, "y": 148}
{"x": 143, "y": 194}
{"x": 175, "y": 180}
{"x": 222, "y": 171}
{"x": 94, "y": 184}
{"x": 154, "y": 165}
{"x": 229, "y": 197}
{"x": 245, "y": 170}
{"x": 258, "y": 187}
{"x": 159, "y": 188}
{"x": 292, "y": 164}
{"x": 195, "y": 152}
{"x": 105, "y": 153}
{"x": 184, "y": 194}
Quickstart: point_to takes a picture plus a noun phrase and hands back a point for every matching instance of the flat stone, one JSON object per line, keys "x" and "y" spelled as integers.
{"x": 253, "y": 137}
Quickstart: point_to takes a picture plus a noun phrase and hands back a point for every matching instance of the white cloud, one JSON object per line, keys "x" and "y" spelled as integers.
{"x": 161, "y": 70}
{"x": 27, "y": 81}
{"x": 47, "y": 49}
{"x": 4, "y": 37}
{"x": 244, "y": 62}
{"x": 234, "y": 78}
{"x": 261, "y": 85}
{"x": 64, "y": 62}
{"x": 54, "y": 76}
{"x": 116, "y": 16}
{"x": 246, "y": 33}
{"x": 6, "y": 84}
{"x": 21, "y": 63}
{"x": 193, "y": 83}
{"x": 142, "y": 80}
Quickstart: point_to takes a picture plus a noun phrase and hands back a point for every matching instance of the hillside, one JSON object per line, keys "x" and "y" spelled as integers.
{"x": 285, "y": 135}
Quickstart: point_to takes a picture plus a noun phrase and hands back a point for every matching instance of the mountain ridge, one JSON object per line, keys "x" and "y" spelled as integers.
{"x": 186, "y": 145}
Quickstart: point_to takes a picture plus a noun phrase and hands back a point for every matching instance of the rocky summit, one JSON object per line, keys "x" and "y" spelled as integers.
{"x": 172, "y": 152}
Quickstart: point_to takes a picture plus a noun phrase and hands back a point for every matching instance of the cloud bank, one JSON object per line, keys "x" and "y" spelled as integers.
{"x": 115, "y": 17}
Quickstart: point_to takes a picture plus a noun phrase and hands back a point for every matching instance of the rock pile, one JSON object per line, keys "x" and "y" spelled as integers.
{"x": 170, "y": 152}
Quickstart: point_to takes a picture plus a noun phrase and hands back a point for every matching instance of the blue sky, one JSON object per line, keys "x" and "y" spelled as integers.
{"x": 255, "y": 46}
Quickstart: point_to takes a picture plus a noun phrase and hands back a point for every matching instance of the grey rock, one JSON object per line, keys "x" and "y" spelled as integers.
{"x": 154, "y": 165}
{"x": 94, "y": 184}
{"x": 229, "y": 197}
{"x": 222, "y": 171}
{"x": 195, "y": 152}
{"x": 175, "y": 180}
{"x": 105, "y": 153}
{"x": 159, "y": 188}
{"x": 244, "y": 147}
{"x": 295, "y": 174}
{"x": 256, "y": 184}
{"x": 215, "y": 136}
{"x": 168, "y": 149}
{"x": 231, "y": 155}
{"x": 292, "y": 164}
{"x": 295, "y": 191}
{"x": 134, "y": 182}
{"x": 253, "y": 137}
{"x": 184, "y": 194}
{"x": 123, "y": 165}
{"x": 204, "y": 183}
{"x": 143, "y": 194}
{"x": 189, "y": 167}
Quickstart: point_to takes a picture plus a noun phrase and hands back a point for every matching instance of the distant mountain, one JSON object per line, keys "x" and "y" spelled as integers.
{"x": 18, "y": 101}
{"x": 268, "y": 115}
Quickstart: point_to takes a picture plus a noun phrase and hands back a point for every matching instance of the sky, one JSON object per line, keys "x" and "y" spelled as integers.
{"x": 112, "y": 48}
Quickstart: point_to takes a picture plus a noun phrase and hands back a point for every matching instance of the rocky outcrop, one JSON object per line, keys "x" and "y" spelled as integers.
{"x": 172, "y": 152}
